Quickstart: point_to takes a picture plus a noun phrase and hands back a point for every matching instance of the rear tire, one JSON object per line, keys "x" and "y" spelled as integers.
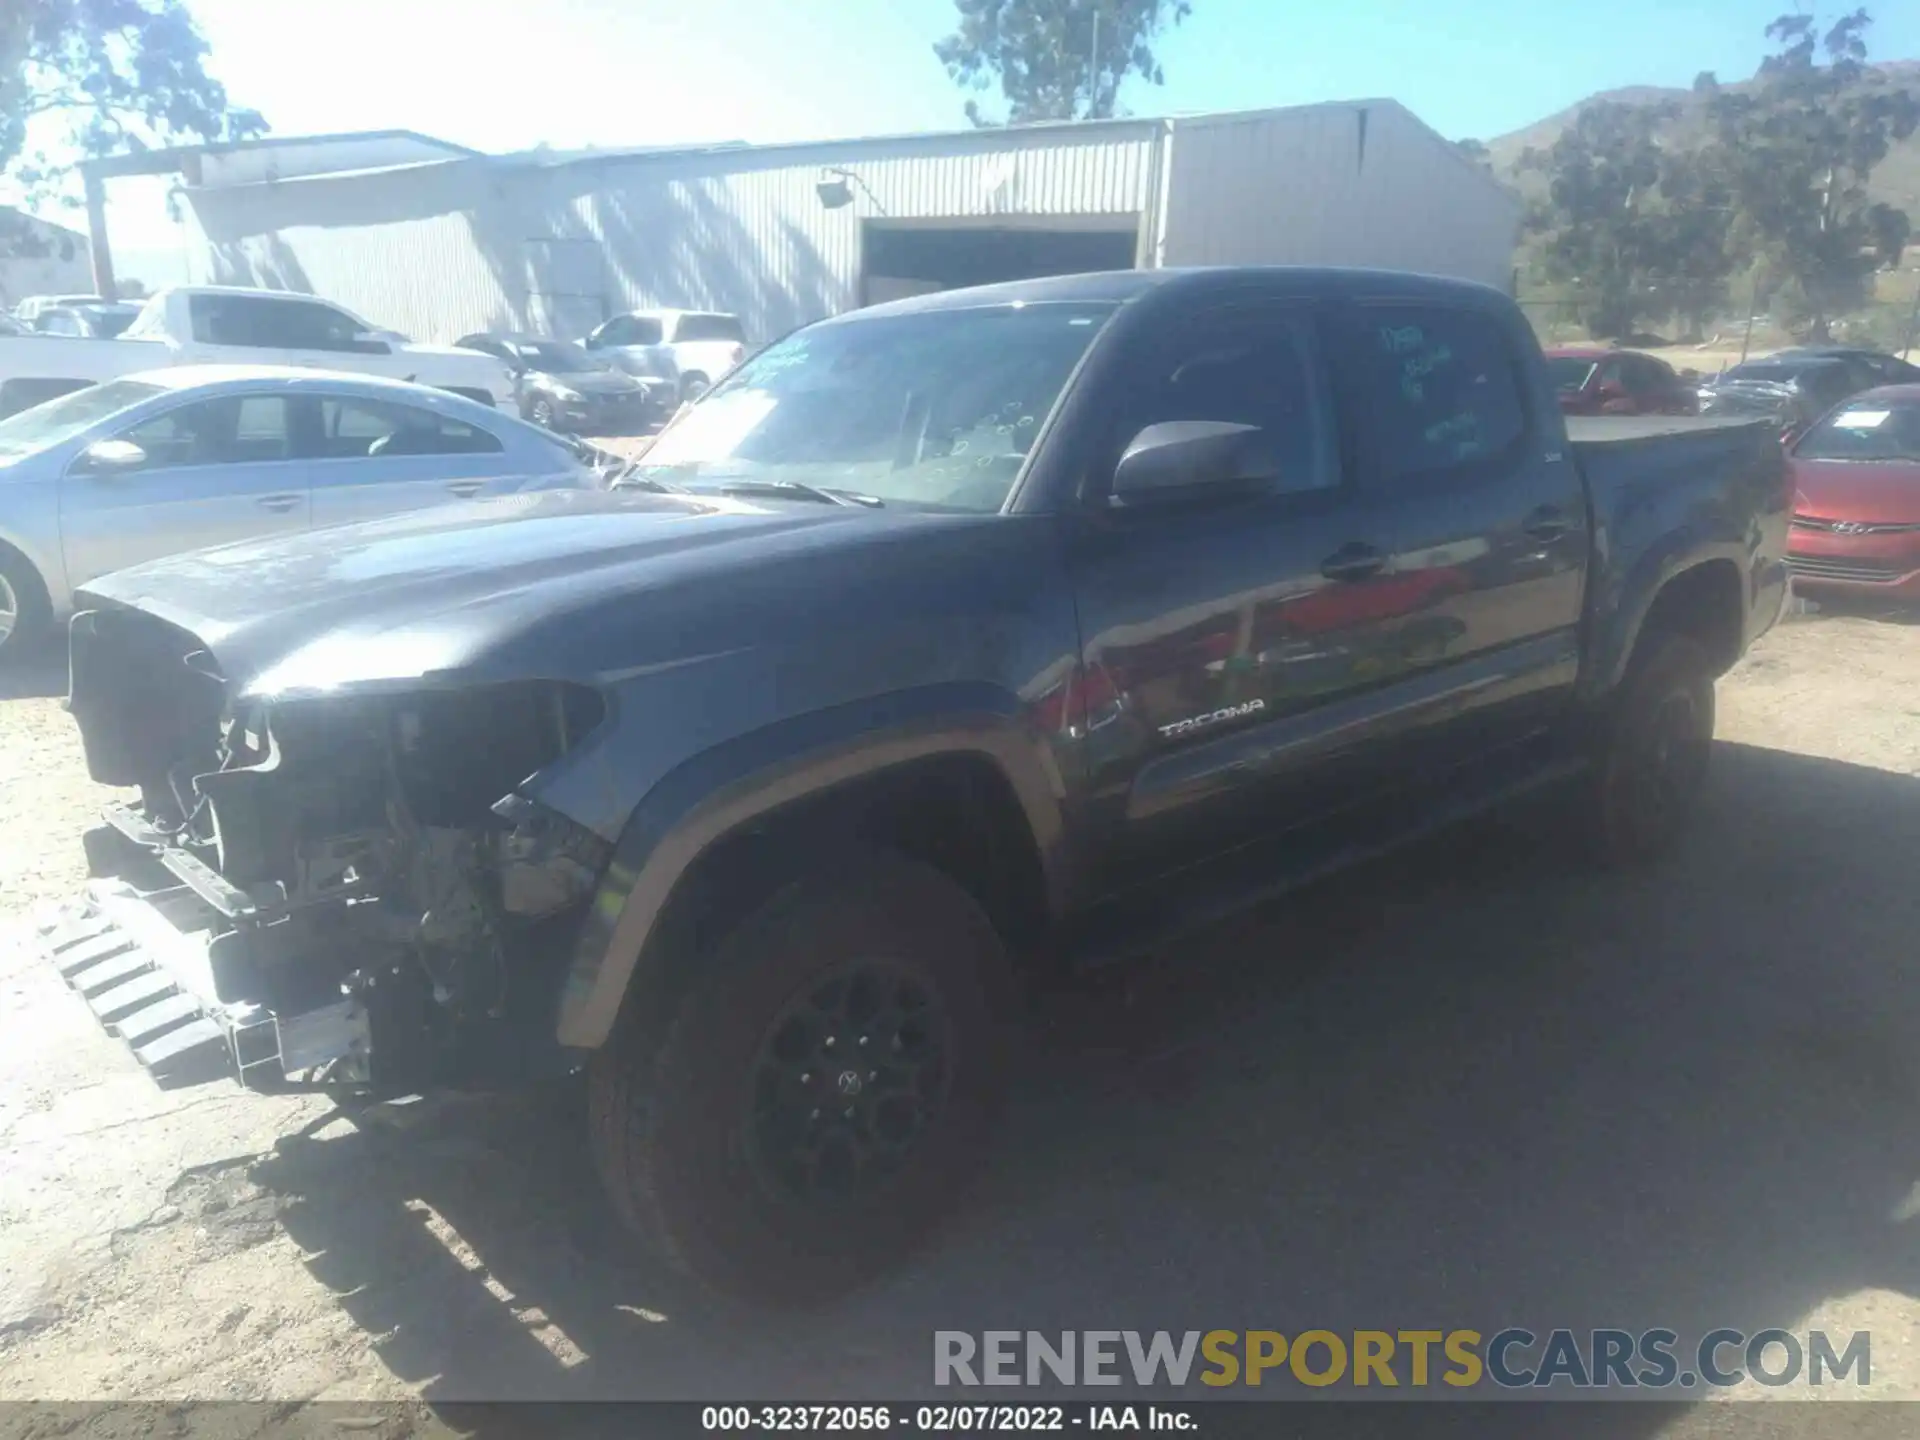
{"x": 731, "y": 1139}
{"x": 1653, "y": 758}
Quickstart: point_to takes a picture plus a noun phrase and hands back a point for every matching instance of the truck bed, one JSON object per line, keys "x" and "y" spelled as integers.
{"x": 1596, "y": 430}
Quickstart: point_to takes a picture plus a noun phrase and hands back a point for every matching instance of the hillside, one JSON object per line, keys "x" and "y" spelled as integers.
{"x": 1896, "y": 181}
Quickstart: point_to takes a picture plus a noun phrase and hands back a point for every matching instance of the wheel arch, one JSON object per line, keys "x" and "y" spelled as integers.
{"x": 1704, "y": 598}
{"x": 709, "y": 802}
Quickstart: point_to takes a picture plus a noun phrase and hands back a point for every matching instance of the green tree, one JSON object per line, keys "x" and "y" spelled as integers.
{"x": 1055, "y": 59}
{"x": 89, "y": 77}
{"x": 1796, "y": 151}
{"x": 1600, "y": 231}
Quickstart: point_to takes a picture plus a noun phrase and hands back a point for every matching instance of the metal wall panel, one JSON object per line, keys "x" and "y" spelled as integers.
{"x": 1352, "y": 184}
{"x": 432, "y": 251}
{"x": 437, "y": 250}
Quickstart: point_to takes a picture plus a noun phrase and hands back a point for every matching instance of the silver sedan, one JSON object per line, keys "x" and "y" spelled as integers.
{"x": 180, "y": 459}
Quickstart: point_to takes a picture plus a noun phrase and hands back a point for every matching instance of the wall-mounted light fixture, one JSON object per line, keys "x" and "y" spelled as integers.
{"x": 835, "y": 189}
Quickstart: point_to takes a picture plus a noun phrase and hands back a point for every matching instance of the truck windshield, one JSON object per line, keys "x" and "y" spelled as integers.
{"x": 63, "y": 418}
{"x": 937, "y": 408}
{"x": 1866, "y": 430}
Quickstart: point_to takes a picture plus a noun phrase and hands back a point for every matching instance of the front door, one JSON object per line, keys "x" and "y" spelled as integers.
{"x": 215, "y": 471}
{"x": 1221, "y": 633}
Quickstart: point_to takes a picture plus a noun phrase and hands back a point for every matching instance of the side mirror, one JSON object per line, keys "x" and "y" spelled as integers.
{"x": 106, "y": 457}
{"x": 1178, "y": 457}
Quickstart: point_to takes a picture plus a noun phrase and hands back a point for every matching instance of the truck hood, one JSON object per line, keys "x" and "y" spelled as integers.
{"x": 541, "y": 584}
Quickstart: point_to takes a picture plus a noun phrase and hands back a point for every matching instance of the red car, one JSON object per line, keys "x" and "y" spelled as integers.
{"x": 1856, "y": 520}
{"x": 1594, "y": 380}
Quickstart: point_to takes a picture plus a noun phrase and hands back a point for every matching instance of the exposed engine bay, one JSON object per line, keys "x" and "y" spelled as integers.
{"x": 361, "y": 897}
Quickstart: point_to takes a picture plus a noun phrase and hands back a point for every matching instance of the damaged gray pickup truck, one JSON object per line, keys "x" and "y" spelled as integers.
{"x": 982, "y": 631}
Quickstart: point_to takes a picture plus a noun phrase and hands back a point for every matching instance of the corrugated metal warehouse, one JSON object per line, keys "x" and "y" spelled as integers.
{"x": 436, "y": 241}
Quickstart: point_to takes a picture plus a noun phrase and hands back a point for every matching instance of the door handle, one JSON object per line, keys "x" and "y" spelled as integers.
{"x": 1546, "y": 525}
{"x": 280, "y": 502}
{"x": 1353, "y": 561}
{"x": 465, "y": 489}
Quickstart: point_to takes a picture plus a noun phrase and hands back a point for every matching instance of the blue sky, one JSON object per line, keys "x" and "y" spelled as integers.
{"x": 508, "y": 74}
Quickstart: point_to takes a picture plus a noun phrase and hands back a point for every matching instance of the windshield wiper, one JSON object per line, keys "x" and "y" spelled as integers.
{"x": 799, "y": 488}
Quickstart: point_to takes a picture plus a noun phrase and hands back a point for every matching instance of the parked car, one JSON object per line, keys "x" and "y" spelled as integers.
{"x": 1879, "y": 367}
{"x": 174, "y": 460}
{"x": 1791, "y": 393}
{"x": 946, "y": 635}
{"x": 192, "y": 325}
{"x": 101, "y": 320}
{"x": 562, "y": 387}
{"x": 29, "y": 309}
{"x": 692, "y": 348}
{"x": 1591, "y": 380}
{"x": 1856, "y": 520}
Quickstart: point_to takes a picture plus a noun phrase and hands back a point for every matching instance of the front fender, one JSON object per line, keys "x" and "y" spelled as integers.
{"x": 710, "y": 795}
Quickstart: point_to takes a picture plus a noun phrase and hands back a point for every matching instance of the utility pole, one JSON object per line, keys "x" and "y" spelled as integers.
{"x": 1093, "y": 66}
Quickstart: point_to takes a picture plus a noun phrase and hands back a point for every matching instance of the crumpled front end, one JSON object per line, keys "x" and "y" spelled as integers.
{"x": 345, "y": 890}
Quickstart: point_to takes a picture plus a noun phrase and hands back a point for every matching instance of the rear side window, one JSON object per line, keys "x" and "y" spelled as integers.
{"x": 709, "y": 327}
{"x": 1437, "y": 390}
{"x": 360, "y": 429}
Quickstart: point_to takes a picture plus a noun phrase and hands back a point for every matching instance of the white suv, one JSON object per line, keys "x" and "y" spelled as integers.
{"x": 692, "y": 348}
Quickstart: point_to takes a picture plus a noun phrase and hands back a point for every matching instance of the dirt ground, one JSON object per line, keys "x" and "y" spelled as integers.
{"x": 1475, "y": 1085}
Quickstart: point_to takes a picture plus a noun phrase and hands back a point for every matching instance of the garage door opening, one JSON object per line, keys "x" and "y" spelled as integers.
{"x": 901, "y": 260}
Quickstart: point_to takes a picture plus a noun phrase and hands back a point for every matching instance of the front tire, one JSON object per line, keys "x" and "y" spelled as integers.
{"x": 692, "y": 387}
{"x": 822, "y": 1091}
{"x": 25, "y": 613}
{"x": 541, "y": 413}
{"x": 1654, "y": 751}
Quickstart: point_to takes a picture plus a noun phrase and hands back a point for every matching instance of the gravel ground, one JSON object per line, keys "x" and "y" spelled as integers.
{"x": 1473, "y": 1085}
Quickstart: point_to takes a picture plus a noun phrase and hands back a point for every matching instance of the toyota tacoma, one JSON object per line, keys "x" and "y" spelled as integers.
{"x": 988, "y": 630}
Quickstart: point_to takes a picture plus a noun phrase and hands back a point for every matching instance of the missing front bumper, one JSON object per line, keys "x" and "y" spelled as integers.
{"x": 144, "y": 963}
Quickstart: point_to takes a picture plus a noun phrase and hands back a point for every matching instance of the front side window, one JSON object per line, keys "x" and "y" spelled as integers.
{"x": 369, "y": 429}
{"x": 232, "y": 430}
{"x": 1438, "y": 389}
{"x": 631, "y": 330}
{"x": 1262, "y": 372}
{"x": 937, "y": 408}
{"x": 1569, "y": 373}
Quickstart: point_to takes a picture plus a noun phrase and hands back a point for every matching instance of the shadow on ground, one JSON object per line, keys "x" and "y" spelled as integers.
{"x": 1475, "y": 1085}
{"x": 36, "y": 672}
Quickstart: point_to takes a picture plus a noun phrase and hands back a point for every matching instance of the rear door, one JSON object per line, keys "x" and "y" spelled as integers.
{"x": 1222, "y": 634}
{"x": 372, "y": 457}
{"x": 1489, "y": 522}
{"x": 705, "y": 347}
{"x": 217, "y": 471}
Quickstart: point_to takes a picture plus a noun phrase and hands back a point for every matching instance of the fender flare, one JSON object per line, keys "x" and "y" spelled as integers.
{"x": 1618, "y": 634}
{"x": 711, "y": 795}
